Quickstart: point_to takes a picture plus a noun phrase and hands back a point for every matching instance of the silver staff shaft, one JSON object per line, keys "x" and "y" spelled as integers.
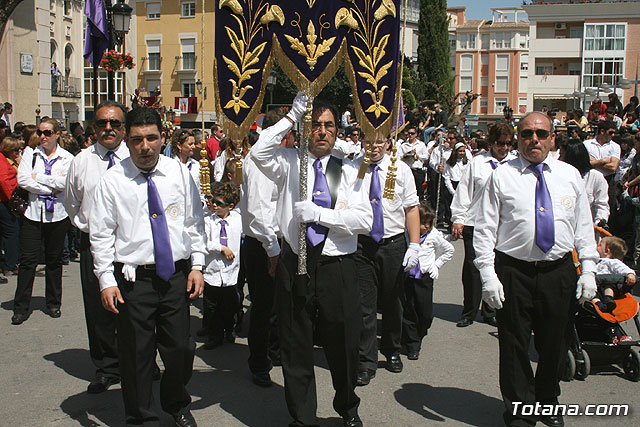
{"x": 440, "y": 148}
{"x": 304, "y": 161}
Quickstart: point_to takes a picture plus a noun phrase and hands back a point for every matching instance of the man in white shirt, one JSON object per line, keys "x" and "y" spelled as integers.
{"x": 147, "y": 240}
{"x": 260, "y": 257}
{"x": 464, "y": 211}
{"x": 84, "y": 174}
{"x": 414, "y": 153}
{"x": 337, "y": 210}
{"x": 533, "y": 213}
{"x": 382, "y": 258}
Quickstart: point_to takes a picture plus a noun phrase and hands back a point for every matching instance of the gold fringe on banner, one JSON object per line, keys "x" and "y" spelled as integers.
{"x": 237, "y": 176}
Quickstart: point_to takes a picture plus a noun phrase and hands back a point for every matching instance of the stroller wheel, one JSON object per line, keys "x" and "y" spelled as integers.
{"x": 583, "y": 367}
{"x": 631, "y": 365}
{"x": 570, "y": 367}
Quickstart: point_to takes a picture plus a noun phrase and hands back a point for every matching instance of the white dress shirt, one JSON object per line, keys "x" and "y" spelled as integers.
{"x": 84, "y": 174}
{"x": 343, "y": 148}
{"x": 506, "y": 220}
{"x": 258, "y": 207}
{"x": 453, "y": 173}
{"x": 612, "y": 266}
{"x": 219, "y": 271}
{"x": 352, "y": 214}
{"x": 218, "y": 165}
{"x": 625, "y": 164}
{"x": 119, "y": 219}
{"x": 601, "y": 151}
{"x": 437, "y": 158}
{"x": 597, "y": 191}
{"x": 44, "y": 184}
{"x": 466, "y": 200}
{"x": 421, "y": 153}
{"x": 435, "y": 242}
{"x": 404, "y": 196}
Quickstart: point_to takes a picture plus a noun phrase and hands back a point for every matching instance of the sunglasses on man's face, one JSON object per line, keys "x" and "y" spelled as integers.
{"x": 46, "y": 132}
{"x": 217, "y": 203}
{"x": 115, "y": 124}
{"x": 540, "y": 133}
{"x": 411, "y": 133}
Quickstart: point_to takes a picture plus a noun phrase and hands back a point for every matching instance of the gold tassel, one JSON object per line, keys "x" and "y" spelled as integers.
{"x": 390, "y": 181}
{"x": 205, "y": 182}
{"x": 237, "y": 176}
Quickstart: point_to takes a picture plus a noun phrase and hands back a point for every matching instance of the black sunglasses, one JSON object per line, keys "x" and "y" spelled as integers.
{"x": 540, "y": 133}
{"x": 115, "y": 124}
{"x": 46, "y": 132}
{"x": 502, "y": 143}
{"x": 216, "y": 202}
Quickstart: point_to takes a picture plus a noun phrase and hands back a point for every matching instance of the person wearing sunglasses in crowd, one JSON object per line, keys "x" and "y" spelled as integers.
{"x": 43, "y": 173}
{"x": 182, "y": 148}
{"x": 464, "y": 213}
{"x": 533, "y": 212}
{"x": 414, "y": 153}
{"x": 85, "y": 173}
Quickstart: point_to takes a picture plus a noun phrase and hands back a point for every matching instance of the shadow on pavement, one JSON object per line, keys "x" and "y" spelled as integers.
{"x": 448, "y": 312}
{"x": 442, "y": 403}
{"x": 37, "y": 303}
{"x": 91, "y": 410}
{"x": 74, "y": 361}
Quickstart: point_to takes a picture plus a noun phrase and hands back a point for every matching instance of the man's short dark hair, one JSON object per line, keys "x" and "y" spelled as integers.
{"x": 606, "y": 125}
{"x": 111, "y": 103}
{"x": 142, "y": 116}
{"x": 320, "y": 106}
{"x": 610, "y": 110}
{"x": 74, "y": 126}
{"x": 7, "y": 106}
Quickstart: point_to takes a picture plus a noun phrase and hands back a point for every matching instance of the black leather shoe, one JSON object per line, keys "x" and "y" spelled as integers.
{"x": 3, "y": 280}
{"x": 102, "y": 384}
{"x": 185, "y": 420}
{"x": 363, "y": 378}
{"x": 491, "y": 321}
{"x": 212, "y": 343}
{"x": 18, "y": 318}
{"x": 413, "y": 355}
{"x": 394, "y": 363}
{"x": 55, "y": 312}
{"x": 463, "y": 323}
{"x": 352, "y": 422}
{"x": 262, "y": 380}
{"x": 230, "y": 337}
{"x": 552, "y": 420}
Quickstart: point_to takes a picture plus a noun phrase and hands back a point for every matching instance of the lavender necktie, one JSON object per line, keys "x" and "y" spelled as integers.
{"x": 375, "y": 197}
{"x": 163, "y": 255}
{"x": 494, "y": 164}
{"x": 49, "y": 199}
{"x": 189, "y": 165}
{"x": 545, "y": 228}
{"x": 224, "y": 241}
{"x": 316, "y": 233}
{"x": 416, "y": 272}
{"x": 112, "y": 159}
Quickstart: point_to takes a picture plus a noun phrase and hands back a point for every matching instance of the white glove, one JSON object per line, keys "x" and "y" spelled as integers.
{"x": 434, "y": 273}
{"x": 493, "y": 293}
{"x": 129, "y": 272}
{"x": 299, "y": 107}
{"x": 306, "y": 211}
{"x": 586, "y": 288}
{"x": 411, "y": 256}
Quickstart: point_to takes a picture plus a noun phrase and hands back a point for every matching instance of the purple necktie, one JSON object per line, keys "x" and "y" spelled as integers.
{"x": 163, "y": 256}
{"x": 321, "y": 196}
{"x": 49, "y": 199}
{"x": 224, "y": 241}
{"x": 189, "y": 165}
{"x": 545, "y": 228}
{"x": 375, "y": 197}
{"x": 112, "y": 159}
{"x": 494, "y": 164}
{"x": 416, "y": 272}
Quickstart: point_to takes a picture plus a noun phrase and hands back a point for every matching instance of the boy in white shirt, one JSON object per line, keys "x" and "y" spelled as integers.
{"x": 612, "y": 250}
{"x": 418, "y": 308}
{"x": 223, "y": 227}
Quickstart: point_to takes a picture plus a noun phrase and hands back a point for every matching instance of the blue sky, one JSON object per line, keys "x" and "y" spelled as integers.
{"x": 481, "y": 9}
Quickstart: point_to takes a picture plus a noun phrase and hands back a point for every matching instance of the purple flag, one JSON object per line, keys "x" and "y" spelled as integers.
{"x": 96, "y": 39}
{"x": 398, "y": 123}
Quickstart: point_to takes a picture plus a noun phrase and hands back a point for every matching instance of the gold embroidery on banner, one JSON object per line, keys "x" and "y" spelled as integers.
{"x": 234, "y": 5}
{"x": 311, "y": 3}
{"x": 312, "y": 51}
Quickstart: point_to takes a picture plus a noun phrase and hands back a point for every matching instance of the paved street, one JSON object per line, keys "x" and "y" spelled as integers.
{"x": 46, "y": 368}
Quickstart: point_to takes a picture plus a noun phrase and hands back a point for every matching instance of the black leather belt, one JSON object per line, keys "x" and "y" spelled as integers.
{"x": 538, "y": 264}
{"x": 149, "y": 268}
{"x": 384, "y": 241}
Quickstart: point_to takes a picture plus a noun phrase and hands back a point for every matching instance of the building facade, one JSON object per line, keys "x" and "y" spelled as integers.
{"x": 583, "y": 48}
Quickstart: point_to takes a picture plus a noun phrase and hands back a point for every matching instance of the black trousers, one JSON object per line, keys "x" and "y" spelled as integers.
{"x": 418, "y": 311}
{"x": 419, "y": 177}
{"x": 101, "y": 324}
{"x": 32, "y": 235}
{"x": 9, "y": 237}
{"x": 380, "y": 279}
{"x": 155, "y": 313}
{"x": 538, "y": 299}
{"x": 220, "y": 305}
{"x": 471, "y": 282}
{"x": 263, "y": 335}
{"x": 332, "y": 308}
{"x": 444, "y": 207}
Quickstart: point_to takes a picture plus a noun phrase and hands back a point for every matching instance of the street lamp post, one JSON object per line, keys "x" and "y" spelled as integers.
{"x": 118, "y": 20}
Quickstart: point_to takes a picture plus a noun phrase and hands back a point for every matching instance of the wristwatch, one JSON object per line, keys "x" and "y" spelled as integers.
{"x": 197, "y": 268}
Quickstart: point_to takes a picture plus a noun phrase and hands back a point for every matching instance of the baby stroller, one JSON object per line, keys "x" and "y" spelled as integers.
{"x": 598, "y": 338}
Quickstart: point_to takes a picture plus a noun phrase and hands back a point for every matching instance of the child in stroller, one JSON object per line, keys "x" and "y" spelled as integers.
{"x": 612, "y": 250}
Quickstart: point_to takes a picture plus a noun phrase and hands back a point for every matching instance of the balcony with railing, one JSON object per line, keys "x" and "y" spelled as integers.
{"x": 66, "y": 87}
{"x": 557, "y": 48}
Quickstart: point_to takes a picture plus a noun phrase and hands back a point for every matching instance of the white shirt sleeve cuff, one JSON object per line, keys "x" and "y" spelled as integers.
{"x": 272, "y": 249}
{"x": 107, "y": 280}
{"x": 213, "y": 247}
{"x": 197, "y": 258}
{"x": 588, "y": 265}
{"x": 487, "y": 273}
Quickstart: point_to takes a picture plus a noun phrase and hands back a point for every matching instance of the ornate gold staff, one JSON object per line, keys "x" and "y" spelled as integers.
{"x": 205, "y": 180}
{"x": 304, "y": 162}
{"x": 237, "y": 176}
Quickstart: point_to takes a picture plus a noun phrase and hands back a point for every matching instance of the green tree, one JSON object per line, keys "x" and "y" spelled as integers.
{"x": 408, "y": 83}
{"x": 434, "y": 63}
{"x": 6, "y": 9}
